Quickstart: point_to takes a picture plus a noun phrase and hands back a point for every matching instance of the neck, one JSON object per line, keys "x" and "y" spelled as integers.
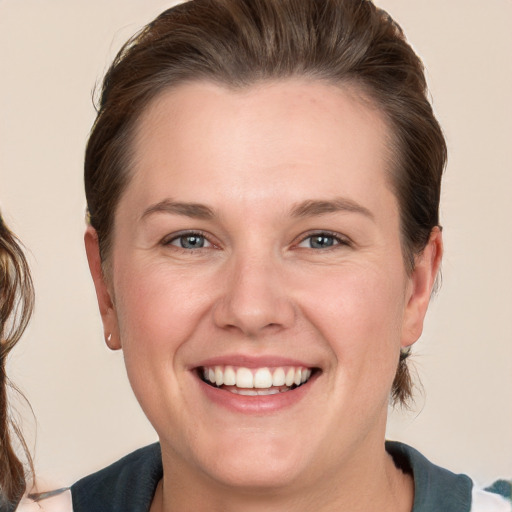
{"x": 365, "y": 482}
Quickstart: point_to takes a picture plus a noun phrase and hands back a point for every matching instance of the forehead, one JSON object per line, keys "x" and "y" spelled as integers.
{"x": 304, "y": 135}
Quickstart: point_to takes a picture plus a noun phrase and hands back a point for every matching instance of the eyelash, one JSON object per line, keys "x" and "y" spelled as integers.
{"x": 187, "y": 234}
{"x": 338, "y": 240}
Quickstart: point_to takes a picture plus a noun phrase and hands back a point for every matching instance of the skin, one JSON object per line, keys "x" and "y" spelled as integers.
{"x": 258, "y": 288}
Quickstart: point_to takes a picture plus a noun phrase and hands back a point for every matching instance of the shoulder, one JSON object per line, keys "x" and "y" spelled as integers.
{"x": 435, "y": 488}
{"x": 496, "y": 498}
{"x": 128, "y": 484}
{"x": 485, "y": 501}
{"x": 438, "y": 489}
{"x": 51, "y": 501}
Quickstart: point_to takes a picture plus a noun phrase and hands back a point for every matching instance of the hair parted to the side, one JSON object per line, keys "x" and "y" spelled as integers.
{"x": 16, "y": 304}
{"x": 237, "y": 43}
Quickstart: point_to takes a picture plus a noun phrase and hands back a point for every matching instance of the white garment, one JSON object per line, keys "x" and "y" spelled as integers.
{"x": 483, "y": 501}
{"x": 59, "y": 503}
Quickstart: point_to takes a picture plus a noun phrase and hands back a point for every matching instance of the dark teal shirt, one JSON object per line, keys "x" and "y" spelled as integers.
{"x": 129, "y": 484}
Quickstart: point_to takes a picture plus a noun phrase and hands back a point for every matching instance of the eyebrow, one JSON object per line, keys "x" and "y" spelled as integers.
{"x": 311, "y": 208}
{"x": 194, "y": 210}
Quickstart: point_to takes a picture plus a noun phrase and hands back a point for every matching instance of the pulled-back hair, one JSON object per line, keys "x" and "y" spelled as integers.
{"x": 237, "y": 43}
{"x": 16, "y": 304}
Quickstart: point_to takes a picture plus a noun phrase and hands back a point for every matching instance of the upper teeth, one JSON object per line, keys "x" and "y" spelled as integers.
{"x": 260, "y": 378}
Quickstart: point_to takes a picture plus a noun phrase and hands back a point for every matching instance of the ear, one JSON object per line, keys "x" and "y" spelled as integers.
{"x": 422, "y": 280}
{"x": 103, "y": 290}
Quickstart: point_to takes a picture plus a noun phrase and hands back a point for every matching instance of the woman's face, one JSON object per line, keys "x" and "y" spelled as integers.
{"x": 258, "y": 245}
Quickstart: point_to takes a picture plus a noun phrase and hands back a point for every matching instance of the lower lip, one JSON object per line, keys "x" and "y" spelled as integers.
{"x": 259, "y": 404}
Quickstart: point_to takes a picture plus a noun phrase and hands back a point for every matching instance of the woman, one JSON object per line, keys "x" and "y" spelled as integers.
{"x": 16, "y": 305}
{"x": 263, "y": 183}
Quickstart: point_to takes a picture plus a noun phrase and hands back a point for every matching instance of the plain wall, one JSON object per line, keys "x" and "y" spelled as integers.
{"x": 51, "y": 55}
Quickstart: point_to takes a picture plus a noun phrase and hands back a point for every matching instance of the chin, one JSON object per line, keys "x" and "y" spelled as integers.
{"x": 253, "y": 460}
{"x": 260, "y": 474}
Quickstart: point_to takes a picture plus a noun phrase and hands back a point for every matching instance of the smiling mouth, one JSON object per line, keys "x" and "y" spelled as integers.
{"x": 256, "y": 381}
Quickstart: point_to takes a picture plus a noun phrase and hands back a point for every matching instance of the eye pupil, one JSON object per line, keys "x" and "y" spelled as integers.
{"x": 192, "y": 241}
{"x": 321, "y": 241}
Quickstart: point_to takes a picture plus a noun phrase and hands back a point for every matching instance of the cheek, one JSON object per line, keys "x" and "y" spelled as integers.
{"x": 158, "y": 311}
{"x": 360, "y": 301}
{"x": 359, "y": 312}
{"x": 157, "y": 303}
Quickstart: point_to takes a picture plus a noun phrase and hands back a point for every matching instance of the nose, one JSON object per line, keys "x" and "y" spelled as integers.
{"x": 254, "y": 298}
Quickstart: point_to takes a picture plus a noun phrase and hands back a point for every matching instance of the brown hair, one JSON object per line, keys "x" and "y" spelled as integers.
{"x": 240, "y": 42}
{"x": 16, "y": 304}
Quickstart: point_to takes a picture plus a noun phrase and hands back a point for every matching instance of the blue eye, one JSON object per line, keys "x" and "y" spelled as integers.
{"x": 190, "y": 241}
{"x": 322, "y": 241}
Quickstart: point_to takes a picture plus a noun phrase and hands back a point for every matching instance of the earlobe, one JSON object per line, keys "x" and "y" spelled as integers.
{"x": 422, "y": 282}
{"x": 103, "y": 293}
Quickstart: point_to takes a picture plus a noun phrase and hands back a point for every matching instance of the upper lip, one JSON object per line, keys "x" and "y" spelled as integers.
{"x": 252, "y": 361}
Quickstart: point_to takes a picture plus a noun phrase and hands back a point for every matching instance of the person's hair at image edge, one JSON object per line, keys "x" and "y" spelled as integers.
{"x": 239, "y": 43}
{"x": 16, "y": 304}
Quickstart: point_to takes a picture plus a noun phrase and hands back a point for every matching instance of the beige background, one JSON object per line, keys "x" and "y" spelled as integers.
{"x": 51, "y": 54}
